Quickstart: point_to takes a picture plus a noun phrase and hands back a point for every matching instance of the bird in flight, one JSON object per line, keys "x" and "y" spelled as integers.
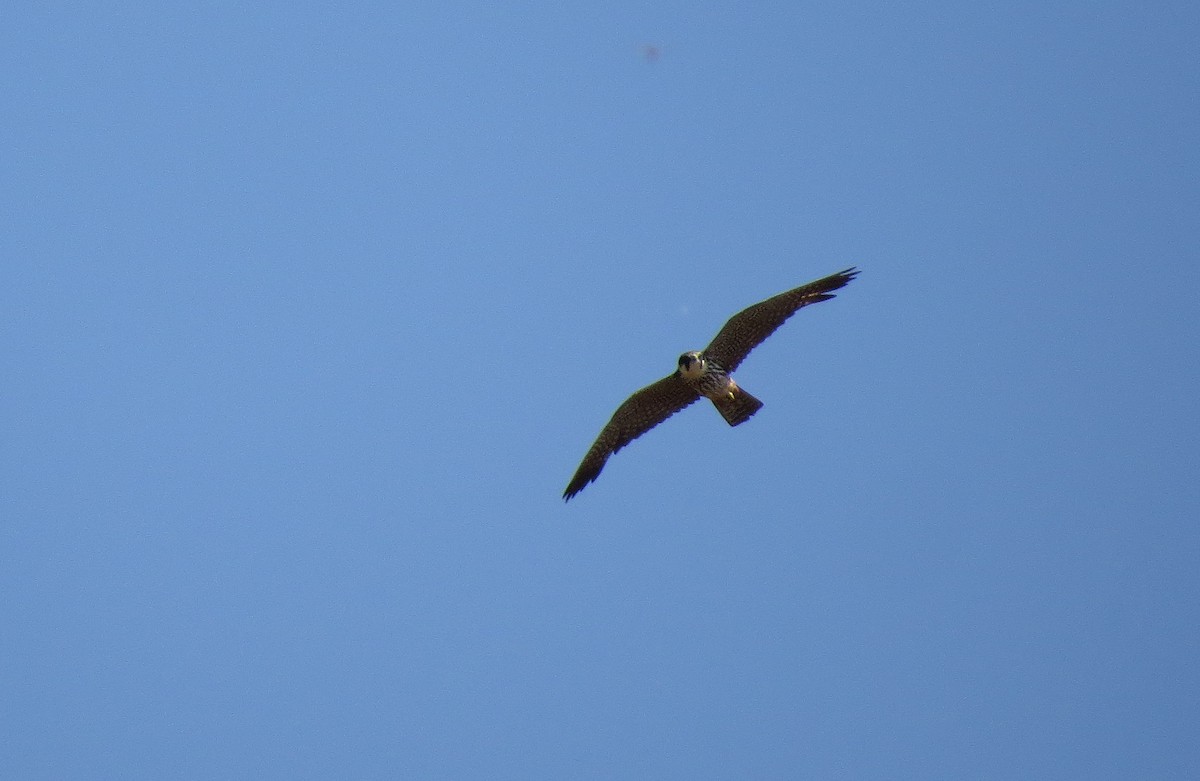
{"x": 703, "y": 373}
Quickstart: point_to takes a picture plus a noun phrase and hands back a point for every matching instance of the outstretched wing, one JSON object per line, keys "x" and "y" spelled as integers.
{"x": 641, "y": 412}
{"x": 748, "y": 328}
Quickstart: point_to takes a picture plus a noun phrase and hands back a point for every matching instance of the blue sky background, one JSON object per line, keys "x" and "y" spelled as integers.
{"x": 309, "y": 312}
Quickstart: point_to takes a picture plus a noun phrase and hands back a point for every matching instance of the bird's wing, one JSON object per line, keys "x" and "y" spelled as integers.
{"x": 748, "y": 328}
{"x": 641, "y": 412}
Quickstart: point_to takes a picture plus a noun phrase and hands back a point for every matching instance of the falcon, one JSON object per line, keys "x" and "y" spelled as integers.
{"x": 703, "y": 373}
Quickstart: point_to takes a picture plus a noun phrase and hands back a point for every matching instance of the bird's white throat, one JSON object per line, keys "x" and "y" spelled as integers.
{"x": 692, "y": 369}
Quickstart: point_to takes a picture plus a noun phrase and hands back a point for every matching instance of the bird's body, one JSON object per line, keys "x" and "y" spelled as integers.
{"x": 709, "y": 379}
{"x": 703, "y": 373}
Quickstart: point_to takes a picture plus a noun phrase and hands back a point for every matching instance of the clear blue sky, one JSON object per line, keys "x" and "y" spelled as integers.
{"x": 308, "y": 313}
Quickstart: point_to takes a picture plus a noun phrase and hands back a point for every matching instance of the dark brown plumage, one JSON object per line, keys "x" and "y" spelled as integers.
{"x": 750, "y": 327}
{"x": 655, "y": 403}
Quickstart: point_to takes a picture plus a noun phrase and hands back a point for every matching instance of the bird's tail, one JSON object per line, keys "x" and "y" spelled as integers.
{"x": 737, "y": 406}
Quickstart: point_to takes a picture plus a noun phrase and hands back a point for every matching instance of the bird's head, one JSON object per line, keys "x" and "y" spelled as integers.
{"x": 691, "y": 365}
